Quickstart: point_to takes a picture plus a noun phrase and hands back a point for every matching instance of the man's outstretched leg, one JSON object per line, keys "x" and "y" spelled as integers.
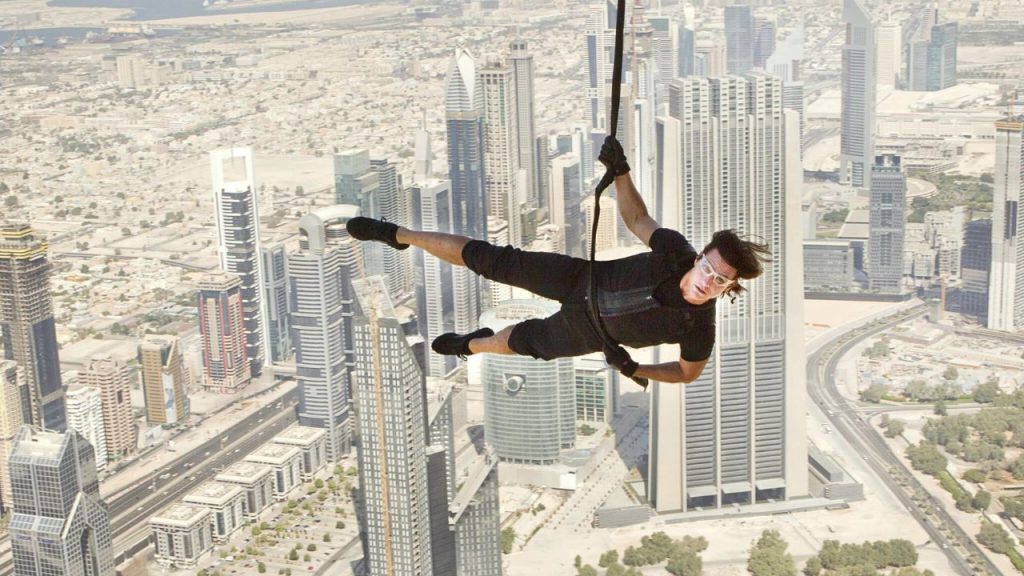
{"x": 447, "y": 247}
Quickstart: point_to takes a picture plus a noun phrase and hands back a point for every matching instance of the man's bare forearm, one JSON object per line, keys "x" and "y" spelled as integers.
{"x": 631, "y": 206}
{"x": 669, "y": 372}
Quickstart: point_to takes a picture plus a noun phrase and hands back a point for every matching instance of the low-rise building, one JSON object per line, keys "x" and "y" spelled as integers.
{"x": 256, "y": 480}
{"x": 312, "y": 442}
{"x": 226, "y": 505}
{"x": 828, "y": 265}
{"x": 182, "y": 534}
{"x": 286, "y": 461}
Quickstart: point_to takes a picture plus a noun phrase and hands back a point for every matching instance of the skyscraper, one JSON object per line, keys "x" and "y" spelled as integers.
{"x": 890, "y": 50}
{"x": 501, "y": 149}
{"x": 522, "y": 76}
{"x": 164, "y": 386}
{"x": 786, "y": 62}
{"x": 222, "y": 327}
{"x": 275, "y": 296}
{"x": 600, "y": 41}
{"x": 607, "y": 228}
{"x": 320, "y": 301}
{"x": 736, "y": 434}
{"x": 931, "y": 58}
{"x": 27, "y": 330}
{"x": 435, "y": 292}
{"x": 393, "y": 441}
{"x": 85, "y": 416}
{"x": 238, "y": 241}
{"x": 394, "y": 207}
{"x": 739, "y": 38}
{"x": 529, "y": 404}
{"x": 10, "y": 423}
{"x": 110, "y": 377}
{"x": 60, "y": 526}
{"x": 1006, "y": 282}
{"x": 886, "y": 223}
{"x": 764, "y": 41}
{"x": 566, "y": 196}
{"x": 354, "y": 182}
{"x": 975, "y": 262}
{"x": 464, "y": 114}
{"x": 857, "y": 116}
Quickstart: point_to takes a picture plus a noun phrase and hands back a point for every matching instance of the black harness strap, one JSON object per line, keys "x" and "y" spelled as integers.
{"x": 606, "y": 180}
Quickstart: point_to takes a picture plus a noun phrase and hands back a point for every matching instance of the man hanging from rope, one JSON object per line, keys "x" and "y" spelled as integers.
{"x": 663, "y": 296}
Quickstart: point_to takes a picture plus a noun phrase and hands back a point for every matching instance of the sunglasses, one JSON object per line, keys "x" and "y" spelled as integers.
{"x": 708, "y": 270}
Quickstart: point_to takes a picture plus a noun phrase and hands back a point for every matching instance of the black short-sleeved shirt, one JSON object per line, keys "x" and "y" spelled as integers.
{"x": 641, "y": 304}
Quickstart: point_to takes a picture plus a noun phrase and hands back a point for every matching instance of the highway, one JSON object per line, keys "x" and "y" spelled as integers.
{"x": 865, "y": 440}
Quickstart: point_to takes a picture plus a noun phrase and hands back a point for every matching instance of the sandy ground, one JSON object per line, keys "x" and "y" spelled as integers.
{"x": 11, "y": 11}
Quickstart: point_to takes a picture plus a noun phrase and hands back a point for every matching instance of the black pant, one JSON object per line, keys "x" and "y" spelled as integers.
{"x": 558, "y": 277}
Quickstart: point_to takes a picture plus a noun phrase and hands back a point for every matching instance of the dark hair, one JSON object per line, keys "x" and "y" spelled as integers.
{"x": 746, "y": 256}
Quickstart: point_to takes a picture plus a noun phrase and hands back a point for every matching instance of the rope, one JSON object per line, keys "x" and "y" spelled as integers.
{"x": 606, "y": 180}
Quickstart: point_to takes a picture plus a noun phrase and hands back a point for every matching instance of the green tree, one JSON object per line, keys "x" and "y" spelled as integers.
{"x": 339, "y": 525}
{"x": 261, "y": 567}
{"x": 311, "y": 547}
{"x": 587, "y": 570}
{"x": 874, "y": 393}
{"x": 974, "y": 475}
{"x": 995, "y": 537}
{"x": 982, "y": 500}
{"x": 940, "y": 408}
{"x": 895, "y": 428}
{"x": 769, "y": 557}
{"x": 608, "y": 558}
{"x": 685, "y": 564}
{"x": 293, "y": 555}
{"x": 83, "y": 269}
{"x": 951, "y": 373}
{"x": 11, "y": 201}
{"x": 812, "y": 567}
{"x": 508, "y": 538}
{"x": 986, "y": 392}
{"x": 615, "y": 569}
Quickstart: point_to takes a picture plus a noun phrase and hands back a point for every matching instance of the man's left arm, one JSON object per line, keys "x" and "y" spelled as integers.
{"x": 681, "y": 372}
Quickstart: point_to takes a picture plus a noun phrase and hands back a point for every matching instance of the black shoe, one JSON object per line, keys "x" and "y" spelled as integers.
{"x": 362, "y": 228}
{"x": 451, "y": 344}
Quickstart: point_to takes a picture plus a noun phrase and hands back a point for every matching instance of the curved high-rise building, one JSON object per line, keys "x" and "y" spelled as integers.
{"x": 529, "y": 404}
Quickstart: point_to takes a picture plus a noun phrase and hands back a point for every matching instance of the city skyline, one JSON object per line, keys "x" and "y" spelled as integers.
{"x": 227, "y": 382}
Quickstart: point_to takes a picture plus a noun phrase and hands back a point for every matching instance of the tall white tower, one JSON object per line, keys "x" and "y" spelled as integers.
{"x": 236, "y": 211}
{"x": 1006, "y": 281}
{"x": 736, "y": 435}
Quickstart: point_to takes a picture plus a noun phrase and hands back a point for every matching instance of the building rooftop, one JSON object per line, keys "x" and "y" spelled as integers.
{"x": 273, "y": 453}
{"x": 300, "y": 435}
{"x": 514, "y": 311}
{"x": 244, "y": 472}
{"x": 32, "y": 443}
{"x": 181, "y": 515}
{"x": 213, "y": 493}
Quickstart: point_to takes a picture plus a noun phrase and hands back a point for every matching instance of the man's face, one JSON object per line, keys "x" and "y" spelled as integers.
{"x": 710, "y": 276}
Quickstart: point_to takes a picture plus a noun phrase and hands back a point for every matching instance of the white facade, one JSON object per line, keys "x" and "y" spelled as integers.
{"x": 182, "y": 534}
{"x": 85, "y": 416}
{"x": 226, "y": 504}
{"x": 736, "y": 434}
{"x": 501, "y": 150}
{"x": 607, "y": 228}
{"x": 890, "y": 50}
{"x": 286, "y": 461}
{"x": 312, "y": 442}
{"x": 1006, "y": 282}
{"x": 258, "y": 482}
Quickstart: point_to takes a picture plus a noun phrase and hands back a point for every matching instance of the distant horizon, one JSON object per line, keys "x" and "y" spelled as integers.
{"x": 161, "y": 10}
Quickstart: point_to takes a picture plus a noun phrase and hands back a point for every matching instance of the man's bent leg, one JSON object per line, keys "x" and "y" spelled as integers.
{"x": 447, "y": 247}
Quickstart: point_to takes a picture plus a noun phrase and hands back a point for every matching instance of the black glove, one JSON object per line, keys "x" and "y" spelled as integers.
{"x": 619, "y": 358}
{"x": 613, "y": 157}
